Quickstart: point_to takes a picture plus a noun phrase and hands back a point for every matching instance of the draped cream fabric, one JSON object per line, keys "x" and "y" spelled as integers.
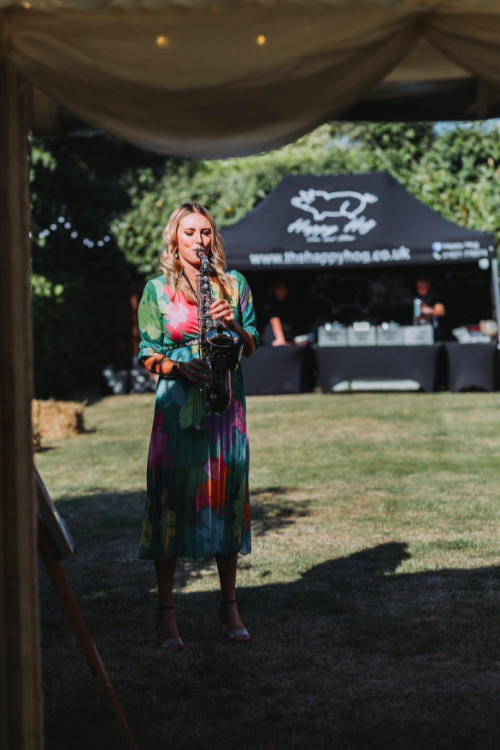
{"x": 212, "y": 79}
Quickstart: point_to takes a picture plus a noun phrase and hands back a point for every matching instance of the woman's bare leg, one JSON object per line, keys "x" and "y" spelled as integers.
{"x": 227, "y": 566}
{"x": 165, "y": 572}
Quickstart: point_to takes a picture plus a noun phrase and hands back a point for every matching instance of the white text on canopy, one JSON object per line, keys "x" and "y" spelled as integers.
{"x": 336, "y": 217}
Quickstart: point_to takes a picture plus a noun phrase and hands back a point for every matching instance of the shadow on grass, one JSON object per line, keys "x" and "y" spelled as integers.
{"x": 350, "y": 655}
{"x": 272, "y": 510}
{"x": 110, "y": 518}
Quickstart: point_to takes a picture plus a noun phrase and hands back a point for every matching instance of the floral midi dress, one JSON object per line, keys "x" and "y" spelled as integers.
{"x": 197, "y": 502}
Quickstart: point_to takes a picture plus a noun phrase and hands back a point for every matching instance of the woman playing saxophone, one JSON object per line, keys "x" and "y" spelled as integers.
{"x": 197, "y": 501}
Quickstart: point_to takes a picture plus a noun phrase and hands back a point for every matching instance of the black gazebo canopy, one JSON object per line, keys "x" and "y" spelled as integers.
{"x": 348, "y": 221}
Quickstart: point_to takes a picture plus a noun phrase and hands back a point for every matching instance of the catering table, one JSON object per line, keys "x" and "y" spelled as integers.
{"x": 471, "y": 366}
{"x": 276, "y": 369}
{"x": 338, "y": 363}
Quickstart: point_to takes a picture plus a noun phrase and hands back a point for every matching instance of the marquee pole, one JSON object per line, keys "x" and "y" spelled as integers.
{"x": 20, "y": 693}
{"x": 496, "y": 291}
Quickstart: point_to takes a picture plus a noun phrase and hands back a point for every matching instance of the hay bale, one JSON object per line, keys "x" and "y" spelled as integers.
{"x": 56, "y": 419}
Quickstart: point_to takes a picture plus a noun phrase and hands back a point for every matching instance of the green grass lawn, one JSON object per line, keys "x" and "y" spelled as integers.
{"x": 372, "y": 592}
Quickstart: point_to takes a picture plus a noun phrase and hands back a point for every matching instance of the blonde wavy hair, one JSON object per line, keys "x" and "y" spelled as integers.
{"x": 170, "y": 263}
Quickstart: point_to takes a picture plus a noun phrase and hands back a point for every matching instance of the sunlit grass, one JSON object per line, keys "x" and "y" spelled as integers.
{"x": 372, "y": 591}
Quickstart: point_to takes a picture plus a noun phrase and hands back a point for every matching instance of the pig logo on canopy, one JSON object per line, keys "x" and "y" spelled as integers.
{"x": 337, "y": 216}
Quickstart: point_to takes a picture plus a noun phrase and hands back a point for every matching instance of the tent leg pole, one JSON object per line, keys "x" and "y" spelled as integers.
{"x": 20, "y": 693}
{"x": 495, "y": 288}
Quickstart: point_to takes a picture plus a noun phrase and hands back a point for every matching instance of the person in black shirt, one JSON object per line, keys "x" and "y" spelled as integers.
{"x": 432, "y": 309}
{"x": 278, "y": 316}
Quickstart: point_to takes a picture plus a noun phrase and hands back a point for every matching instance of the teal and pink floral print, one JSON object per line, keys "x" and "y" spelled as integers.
{"x": 197, "y": 502}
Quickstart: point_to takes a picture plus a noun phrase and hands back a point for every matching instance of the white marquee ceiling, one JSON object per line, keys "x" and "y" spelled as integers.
{"x": 193, "y": 77}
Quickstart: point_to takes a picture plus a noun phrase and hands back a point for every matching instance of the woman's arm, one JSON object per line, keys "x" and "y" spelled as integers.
{"x": 152, "y": 347}
{"x": 222, "y": 310}
{"x": 194, "y": 371}
{"x": 246, "y": 337}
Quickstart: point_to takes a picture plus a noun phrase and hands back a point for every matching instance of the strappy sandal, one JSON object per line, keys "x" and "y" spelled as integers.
{"x": 236, "y": 635}
{"x": 170, "y": 644}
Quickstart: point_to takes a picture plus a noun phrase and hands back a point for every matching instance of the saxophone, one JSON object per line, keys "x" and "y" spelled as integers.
{"x": 217, "y": 345}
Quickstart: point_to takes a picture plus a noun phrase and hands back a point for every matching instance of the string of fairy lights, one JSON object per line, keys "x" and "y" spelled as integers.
{"x": 62, "y": 223}
{"x": 162, "y": 40}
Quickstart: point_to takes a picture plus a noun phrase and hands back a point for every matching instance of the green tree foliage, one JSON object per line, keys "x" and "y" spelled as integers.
{"x": 78, "y": 186}
{"x": 459, "y": 177}
{"x": 117, "y": 200}
{"x": 398, "y": 147}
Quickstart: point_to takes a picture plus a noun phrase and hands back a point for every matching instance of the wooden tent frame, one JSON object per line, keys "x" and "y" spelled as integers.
{"x": 20, "y": 692}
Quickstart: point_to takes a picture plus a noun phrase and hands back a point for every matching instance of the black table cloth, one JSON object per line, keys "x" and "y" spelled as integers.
{"x": 419, "y": 363}
{"x": 471, "y": 366}
{"x": 276, "y": 369}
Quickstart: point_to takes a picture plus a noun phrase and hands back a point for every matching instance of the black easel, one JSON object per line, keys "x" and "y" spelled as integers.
{"x": 54, "y": 543}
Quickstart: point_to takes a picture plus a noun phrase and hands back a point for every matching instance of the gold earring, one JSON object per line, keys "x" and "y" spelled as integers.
{"x": 176, "y": 255}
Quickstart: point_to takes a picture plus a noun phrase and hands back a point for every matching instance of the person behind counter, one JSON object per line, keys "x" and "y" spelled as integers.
{"x": 431, "y": 308}
{"x": 278, "y": 316}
